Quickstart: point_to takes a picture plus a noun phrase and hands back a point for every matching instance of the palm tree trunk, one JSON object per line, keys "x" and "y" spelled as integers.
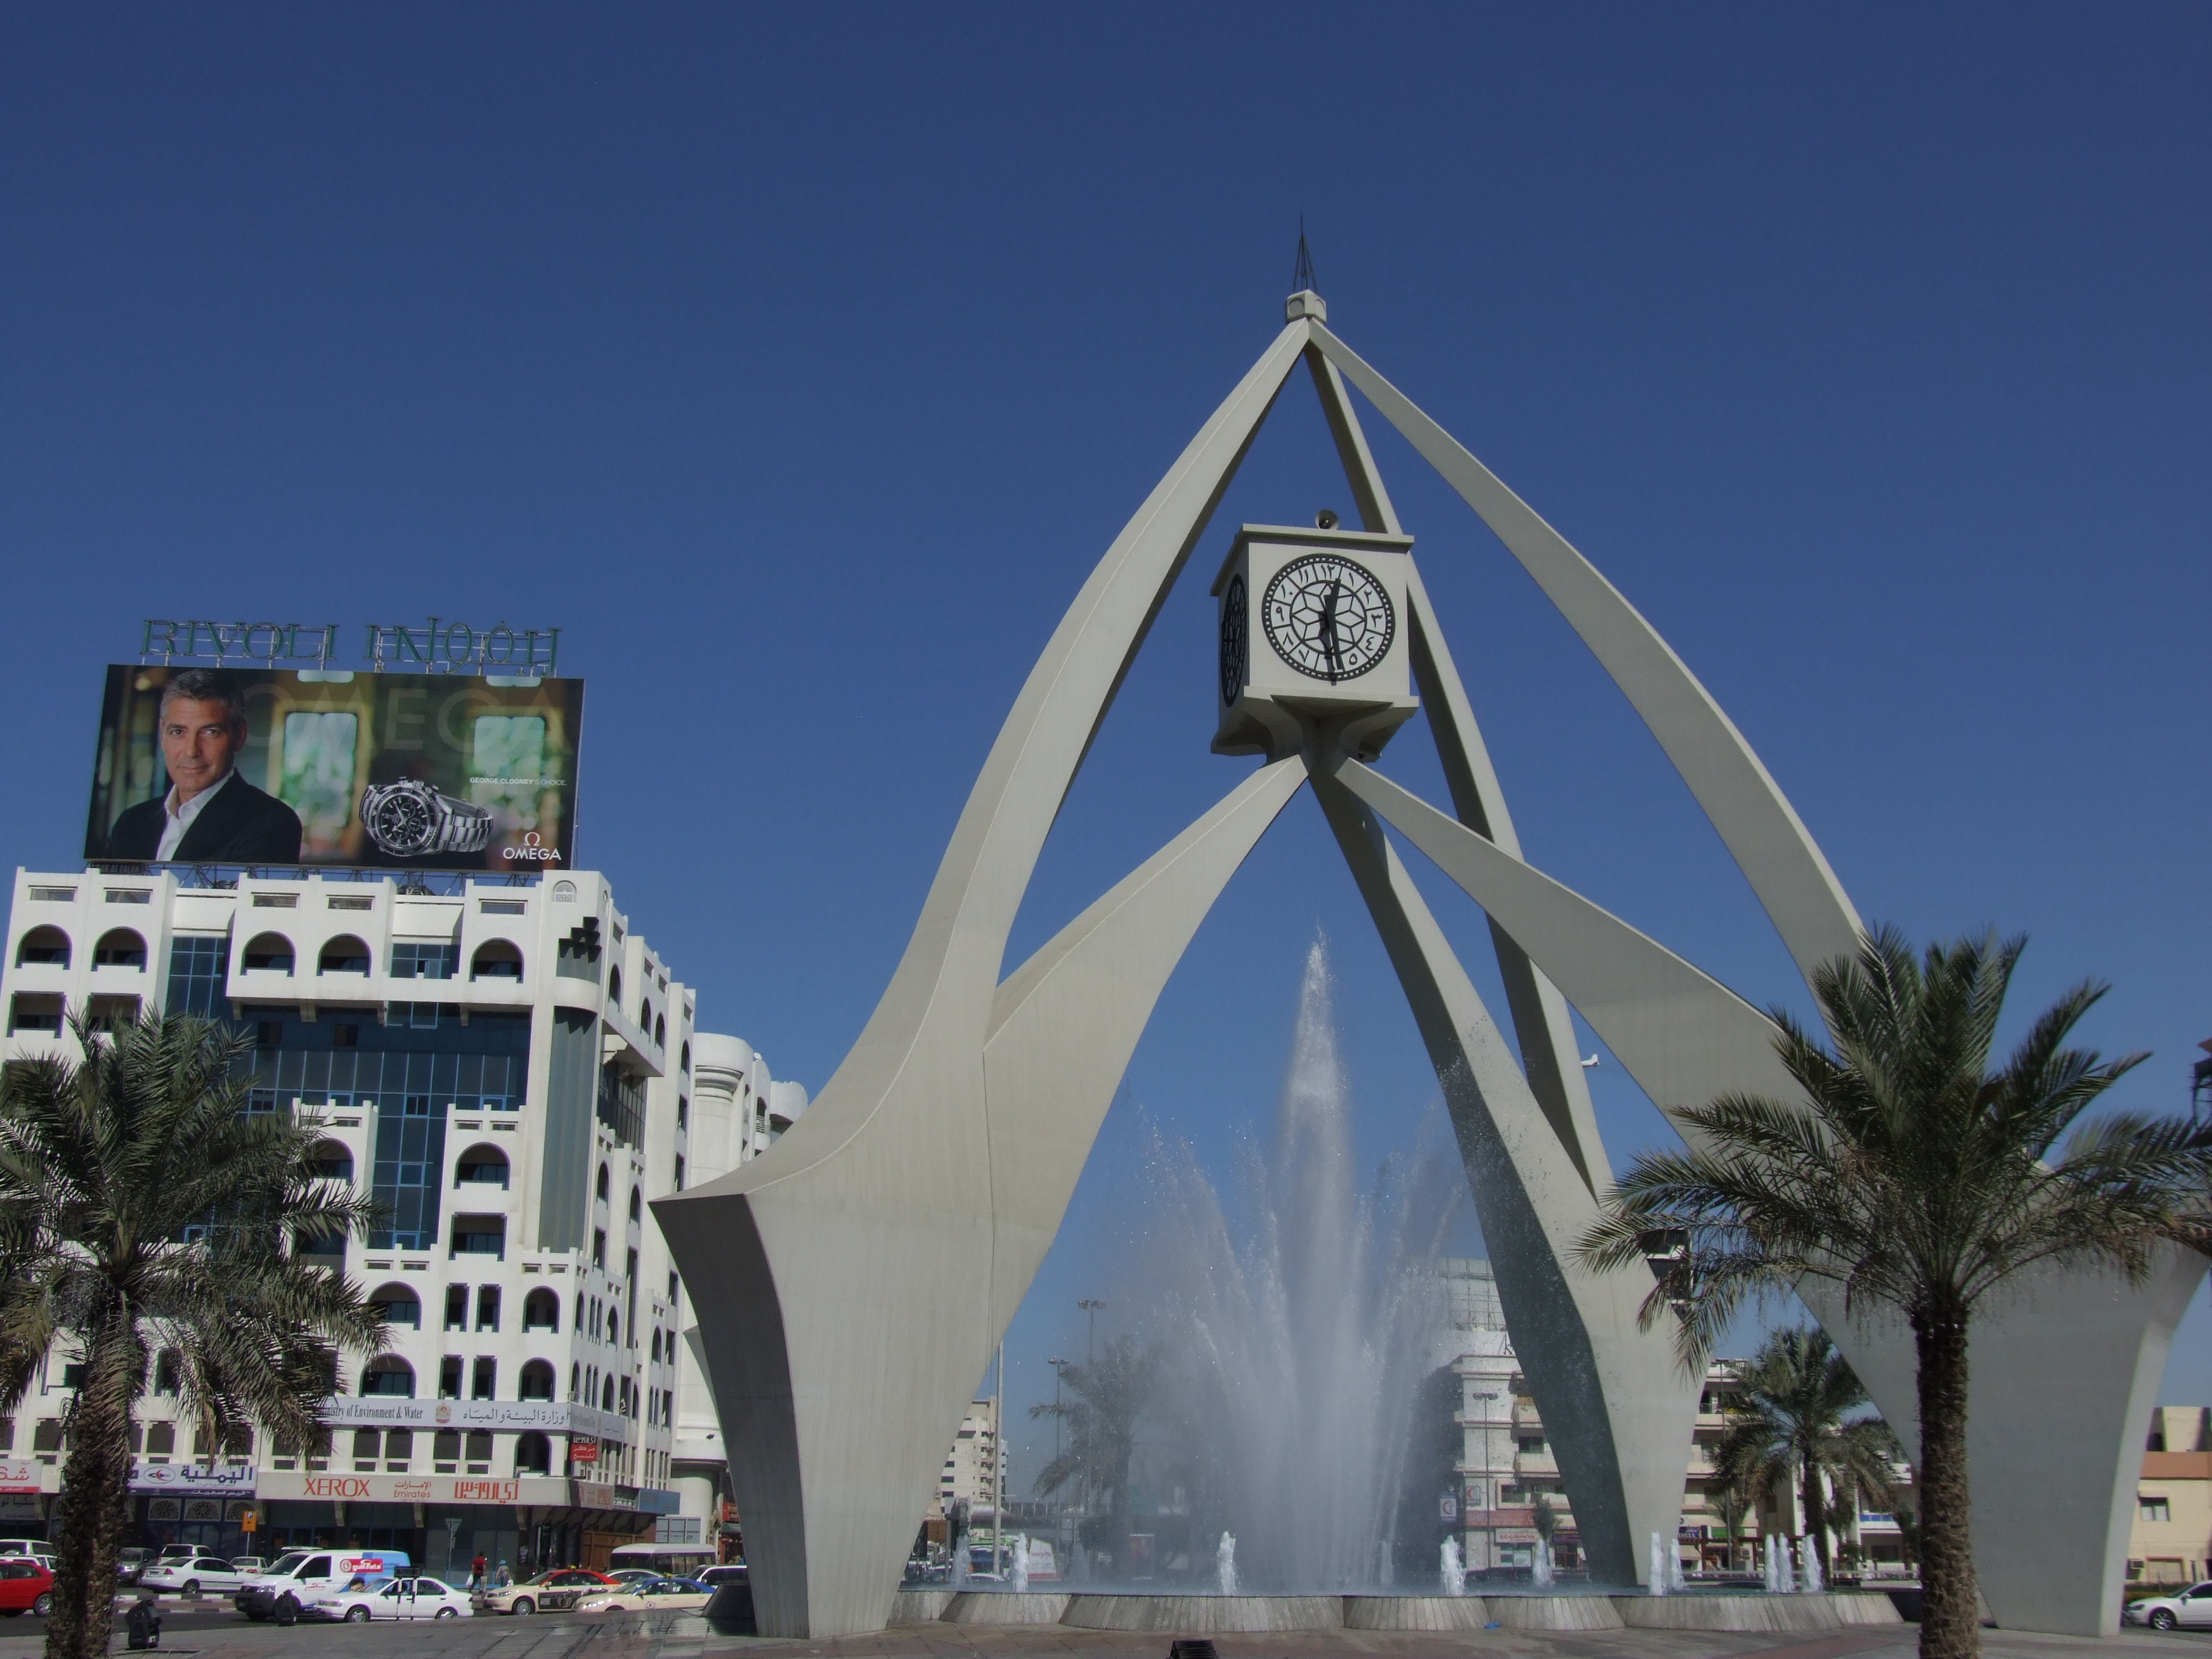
{"x": 1950, "y": 1619}
{"x": 1816, "y": 1512}
{"x": 94, "y": 1505}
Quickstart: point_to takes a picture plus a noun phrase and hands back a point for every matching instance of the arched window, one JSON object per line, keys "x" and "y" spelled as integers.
{"x": 388, "y": 1374}
{"x": 534, "y": 1454}
{"x": 399, "y": 1305}
{"x": 579, "y": 1311}
{"x": 541, "y": 1311}
{"x": 656, "y": 1347}
{"x": 496, "y": 959}
{"x": 679, "y": 1172}
{"x": 573, "y": 1373}
{"x": 343, "y": 955}
{"x": 43, "y": 947}
{"x": 537, "y": 1380}
{"x": 267, "y": 953}
{"x": 331, "y": 1160}
{"x": 686, "y": 1061}
{"x": 481, "y": 1165}
{"x": 636, "y": 1205}
{"x": 659, "y": 1033}
{"x": 607, "y": 1396}
{"x": 645, "y": 1014}
{"x": 614, "y": 985}
{"x": 614, "y": 1328}
{"x": 168, "y": 1371}
{"x": 605, "y": 1186}
{"x": 119, "y": 947}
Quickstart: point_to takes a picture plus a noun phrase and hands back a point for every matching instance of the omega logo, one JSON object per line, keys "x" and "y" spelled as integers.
{"x": 534, "y": 847}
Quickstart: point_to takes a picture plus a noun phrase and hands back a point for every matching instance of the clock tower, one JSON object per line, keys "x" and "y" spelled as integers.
{"x": 1312, "y": 640}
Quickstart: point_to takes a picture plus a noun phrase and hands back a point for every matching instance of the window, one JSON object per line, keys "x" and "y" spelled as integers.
{"x": 659, "y": 1033}
{"x": 599, "y": 1247}
{"x": 445, "y": 1450}
{"x": 343, "y": 955}
{"x": 398, "y": 1446}
{"x": 679, "y": 1172}
{"x": 167, "y": 1371}
{"x": 614, "y": 985}
{"x": 534, "y": 1454}
{"x": 120, "y": 948}
{"x": 399, "y": 1305}
{"x": 496, "y": 959}
{"x": 636, "y": 1205}
{"x": 276, "y": 901}
{"x": 267, "y": 953}
{"x": 622, "y": 1104}
{"x": 614, "y": 1328}
{"x": 34, "y": 1013}
{"x": 199, "y": 975}
{"x": 365, "y": 1445}
{"x": 457, "y": 1307}
{"x": 480, "y": 1235}
{"x": 541, "y": 1311}
{"x": 350, "y": 902}
{"x": 481, "y": 1165}
{"x": 2157, "y": 1510}
{"x": 43, "y": 947}
{"x": 682, "y": 1113}
{"x": 424, "y": 961}
{"x": 603, "y": 1187}
{"x": 684, "y": 1063}
{"x": 479, "y": 1448}
{"x": 536, "y": 1382}
{"x": 389, "y": 1375}
{"x": 481, "y": 1383}
{"x": 573, "y": 1373}
{"x": 449, "y": 1377}
{"x": 502, "y": 907}
{"x": 411, "y": 1157}
{"x": 331, "y": 1160}
{"x": 487, "y": 1308}
{"x": 160, "y": 1440}
{"x": 656, "y": 1347}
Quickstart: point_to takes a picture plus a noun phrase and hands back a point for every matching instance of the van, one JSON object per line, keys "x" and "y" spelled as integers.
{"x": 32, "y": 1546}
{"x": 301, "y": 1574}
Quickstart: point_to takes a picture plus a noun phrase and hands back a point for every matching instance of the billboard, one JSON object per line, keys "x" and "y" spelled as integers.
{"x": 274, "y": 766}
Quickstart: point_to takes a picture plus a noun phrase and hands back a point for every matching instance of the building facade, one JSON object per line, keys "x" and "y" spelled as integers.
{"x": 515, "y": 1072}
{"x": 2171, "y": 1542}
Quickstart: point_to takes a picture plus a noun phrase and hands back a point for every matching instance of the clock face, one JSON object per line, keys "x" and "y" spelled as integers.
{"x": 1328, "y": 618}
{"x": 1233, "y": 642}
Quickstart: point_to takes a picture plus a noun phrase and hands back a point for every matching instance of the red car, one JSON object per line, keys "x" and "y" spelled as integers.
{"x": 25, "y": 1586}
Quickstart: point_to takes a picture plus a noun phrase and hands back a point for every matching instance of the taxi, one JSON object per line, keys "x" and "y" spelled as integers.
{"x": 555, "y": 1590}
{"x": 654, "y": 1595}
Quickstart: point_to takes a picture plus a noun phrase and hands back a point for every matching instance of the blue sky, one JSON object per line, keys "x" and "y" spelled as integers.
{"x": 798, "y": 363}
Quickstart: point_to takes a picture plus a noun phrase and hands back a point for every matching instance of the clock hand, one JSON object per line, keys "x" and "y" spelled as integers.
{"x": 1328, "y": 625}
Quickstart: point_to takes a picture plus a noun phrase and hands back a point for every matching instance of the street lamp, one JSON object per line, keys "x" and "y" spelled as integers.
{"x": 1090, "y": 1305}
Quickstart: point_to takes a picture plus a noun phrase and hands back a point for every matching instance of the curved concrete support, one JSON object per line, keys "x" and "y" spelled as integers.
{"x": 1617, "y": 1408}
{"x": 1763, "y": 832}
{"x": 830, "y": 1275}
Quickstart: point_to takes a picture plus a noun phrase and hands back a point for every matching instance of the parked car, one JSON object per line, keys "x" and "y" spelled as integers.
{"x": 190, "y": 1575}
{"x": 2186, "y": 1609}
{"x": 732, "y": 1572}
{"x": 133, "y": 1560}
{"x": 634, "y": 1575}
{"x": 302, "y": 1574}
{"x": 654, "y": 1595}
{"x": 556, "y": 1590}
{"x": 251, "y": 1565}
{"x": 402, "y": 1598}
{"x": 26, "y": 1585}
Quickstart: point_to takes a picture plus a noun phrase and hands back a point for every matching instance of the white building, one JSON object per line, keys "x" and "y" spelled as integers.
{"x": 971, "y": 1472}
{"x": 515, "y": 1072}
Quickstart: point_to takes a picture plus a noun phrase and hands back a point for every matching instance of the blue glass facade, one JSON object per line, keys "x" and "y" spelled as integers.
{"x": 199, "y": 977}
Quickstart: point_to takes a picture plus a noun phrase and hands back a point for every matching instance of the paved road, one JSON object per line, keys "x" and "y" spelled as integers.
{"x": 663, "y": 1636}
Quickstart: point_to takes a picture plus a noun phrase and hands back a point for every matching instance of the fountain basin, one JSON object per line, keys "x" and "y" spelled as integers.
{"x": 1006, "y": 1607}
{"x": 1202, "y": 1615}
{"x": 1754, "y": 1613}
{"x": 1555, "y": 1611}
{"x": 1415, "y": 1612}
{"x": 919, "y": 1606}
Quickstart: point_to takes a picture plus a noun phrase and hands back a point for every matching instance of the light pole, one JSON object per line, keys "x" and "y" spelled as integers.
{"x": 1090, "y": 1305}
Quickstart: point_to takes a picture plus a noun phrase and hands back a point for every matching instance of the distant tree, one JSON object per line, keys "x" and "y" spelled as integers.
{"x": 1110, "y": 1394}
{"x": 1915, "y": 1181}
{"x": 1727, "y": 1499}
{"x": 1799, "y": 1413}
{"x": 142, "y": 1205}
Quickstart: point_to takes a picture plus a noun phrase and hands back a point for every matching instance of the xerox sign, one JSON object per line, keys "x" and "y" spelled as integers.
{"x": 276, "y": 766}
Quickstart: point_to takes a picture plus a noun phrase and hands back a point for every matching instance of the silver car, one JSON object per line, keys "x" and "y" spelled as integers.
{"x": 192, "y": 1575}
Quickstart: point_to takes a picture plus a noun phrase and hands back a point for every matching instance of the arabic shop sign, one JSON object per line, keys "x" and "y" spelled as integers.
{"x": 442, "y": 644}
{"x": 376, "y": 1410}
{"x": 193, "y": 1480}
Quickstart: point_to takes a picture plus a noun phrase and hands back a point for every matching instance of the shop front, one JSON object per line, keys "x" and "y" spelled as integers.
{"x": 209, "y": 1506}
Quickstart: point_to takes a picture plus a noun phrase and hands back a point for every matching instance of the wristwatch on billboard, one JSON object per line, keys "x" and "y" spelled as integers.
{"x": 409, "y": 818}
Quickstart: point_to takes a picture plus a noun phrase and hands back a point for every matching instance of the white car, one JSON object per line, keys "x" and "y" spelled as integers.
{"x": 402, "y": 1598}
{"x": 654, "y": 1595}
{"x": 2188, "y": 1609}
{"x": 191, "y": 1574}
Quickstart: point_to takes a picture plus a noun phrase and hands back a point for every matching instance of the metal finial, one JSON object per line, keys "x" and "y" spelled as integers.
{"x": 1302, "y": 274}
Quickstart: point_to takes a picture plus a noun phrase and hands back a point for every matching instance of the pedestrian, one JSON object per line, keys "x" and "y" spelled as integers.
{"x": 476, "y": 1572}
{"x": 505, "y": 1578}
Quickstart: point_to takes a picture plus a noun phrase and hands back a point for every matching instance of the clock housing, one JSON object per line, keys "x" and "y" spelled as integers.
{"x": 1312, "y": 639}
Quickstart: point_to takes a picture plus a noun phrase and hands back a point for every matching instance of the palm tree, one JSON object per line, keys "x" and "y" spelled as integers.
{"x": 1917, "y": 1182}
{"x": 142, "y": 1205}
{"x": 1110, "y": 1394}
{"x": 1729, "y": 1501}
{"x": 1792, "y": 1415}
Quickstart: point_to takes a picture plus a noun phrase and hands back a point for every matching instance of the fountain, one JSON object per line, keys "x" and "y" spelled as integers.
{"x": 1808, "y": 1566}
{"x": 1296, "y": 1335}
{"x": 1079, "y": 1564}
{"x": 1676, "y": 1584}
{"x": 959, "y": 1578}
{"x": 1451, "y": 1573}
{"x": 1018, "y": 1566}
{"x": 1540, "y": 1571}
{"x": 1224, "y": 1564}
{"x": 1660, "y": 1582}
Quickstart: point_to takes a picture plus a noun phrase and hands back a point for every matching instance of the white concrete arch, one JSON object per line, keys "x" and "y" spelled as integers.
{"x": 841, "y": 1317}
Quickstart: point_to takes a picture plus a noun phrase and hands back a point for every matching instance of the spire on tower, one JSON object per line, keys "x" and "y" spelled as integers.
{"x": 1302, "y": 273}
